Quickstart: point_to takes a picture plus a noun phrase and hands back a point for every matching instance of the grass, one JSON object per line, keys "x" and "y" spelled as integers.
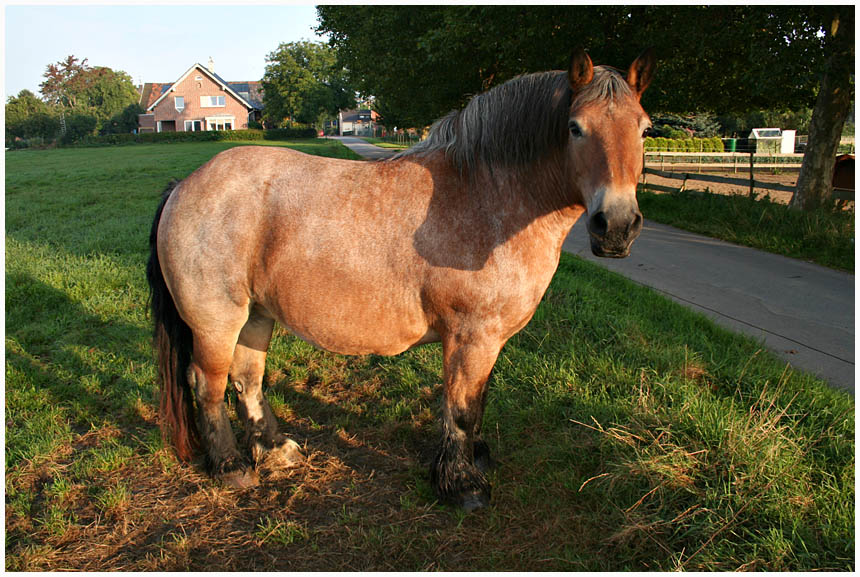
{"x": 824, "y": 236}
{"x": 631, "y": 434}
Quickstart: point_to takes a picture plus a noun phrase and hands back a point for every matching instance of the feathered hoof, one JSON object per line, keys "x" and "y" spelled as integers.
{"x": 241, "y": 478}
{"x": 286, "y": 453}
{"x": 474, "y": 500}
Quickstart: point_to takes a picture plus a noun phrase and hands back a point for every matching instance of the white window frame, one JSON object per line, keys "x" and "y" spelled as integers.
{"x": 192, "y": 122}
{"x": 220, "y": 101}
{"x": 176, "y": 100}
{"x": 220, "y": 123}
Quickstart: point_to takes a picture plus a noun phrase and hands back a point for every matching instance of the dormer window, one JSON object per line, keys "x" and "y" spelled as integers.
{"x": 212, "y": 101}
{"x": 179, "y": 103}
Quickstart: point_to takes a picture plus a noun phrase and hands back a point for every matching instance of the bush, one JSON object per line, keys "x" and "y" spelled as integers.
{"x": 78, "y": 127}
{"x": 717, "y": 144}
{"x": 201, "y": 136}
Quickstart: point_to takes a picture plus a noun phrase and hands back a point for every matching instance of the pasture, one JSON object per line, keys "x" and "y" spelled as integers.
{"x": 630, "y": 433}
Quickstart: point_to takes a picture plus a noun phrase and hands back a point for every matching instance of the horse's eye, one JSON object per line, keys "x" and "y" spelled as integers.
{"x": 646, "y": 133}
{"x": 574, "y": 128}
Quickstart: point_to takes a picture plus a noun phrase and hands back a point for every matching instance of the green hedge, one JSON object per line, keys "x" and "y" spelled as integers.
{"x": 201, "y": 136}
{"x": 660, "y": 144}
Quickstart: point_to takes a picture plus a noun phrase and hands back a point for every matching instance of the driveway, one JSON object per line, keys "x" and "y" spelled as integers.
{"x": 365, "y": 149}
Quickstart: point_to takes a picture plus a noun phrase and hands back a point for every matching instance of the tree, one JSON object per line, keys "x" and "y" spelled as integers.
{"x": 124, "y": 122}
{"x": 97, "y": 91}
{"x": 422, "y": 61}
{"x": 828, "y": 117}
{"x": 28, "y": 116}
{"x": 64, "y": 81}
{"x": 19, "y": 112}
{"x": 302, "y": 82}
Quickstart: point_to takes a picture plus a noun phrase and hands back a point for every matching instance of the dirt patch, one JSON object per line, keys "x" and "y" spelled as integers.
{"x": 783, "y": 197}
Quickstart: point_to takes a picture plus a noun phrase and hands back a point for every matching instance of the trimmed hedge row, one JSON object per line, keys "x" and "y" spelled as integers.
{"x": 200, "y": 136}
{"x": 713, "y": 144}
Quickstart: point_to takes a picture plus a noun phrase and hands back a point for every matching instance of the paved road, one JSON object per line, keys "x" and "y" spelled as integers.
{"x": 362, "y": 148}
{"x": 801, "y": 311}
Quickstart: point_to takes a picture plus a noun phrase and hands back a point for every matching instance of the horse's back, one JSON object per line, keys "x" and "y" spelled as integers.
{"x": 323, "y": 245}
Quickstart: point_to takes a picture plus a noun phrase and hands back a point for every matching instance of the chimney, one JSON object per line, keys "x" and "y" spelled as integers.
{"x": 211, "y": 65}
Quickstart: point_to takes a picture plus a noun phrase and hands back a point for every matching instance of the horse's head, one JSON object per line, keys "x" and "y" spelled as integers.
{"x": 607, "y": 126}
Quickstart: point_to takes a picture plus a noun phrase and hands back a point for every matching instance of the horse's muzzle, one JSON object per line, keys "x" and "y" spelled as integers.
{"x": 611, "y": 237}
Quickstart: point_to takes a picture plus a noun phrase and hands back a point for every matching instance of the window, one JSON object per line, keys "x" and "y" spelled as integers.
{"x": 212, "y": 101}
{"x": 179, "y": 103}
{"x": 193, "y": 126}
{"x": 222, "y": 123}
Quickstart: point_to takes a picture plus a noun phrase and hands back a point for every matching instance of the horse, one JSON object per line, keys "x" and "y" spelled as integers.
{"x": 843, "y": 175}
{"x": 454, "y": 241}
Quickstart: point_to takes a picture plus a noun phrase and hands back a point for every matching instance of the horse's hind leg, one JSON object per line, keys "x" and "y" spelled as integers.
{"x": 457, "y": 472}
{"x": 213, "y": 353}
{"x": 261, "y": 426}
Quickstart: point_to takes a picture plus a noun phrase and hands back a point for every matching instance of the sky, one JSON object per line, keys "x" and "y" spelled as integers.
{"x": 152, "y": 43}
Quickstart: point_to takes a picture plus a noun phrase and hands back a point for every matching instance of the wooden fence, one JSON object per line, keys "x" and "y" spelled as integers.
{"x": 656, "y": 163}
{"x": 722, "y": 161}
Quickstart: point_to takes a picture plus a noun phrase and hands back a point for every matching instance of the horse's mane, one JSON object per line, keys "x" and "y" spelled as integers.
{"x": 515, "y": 123}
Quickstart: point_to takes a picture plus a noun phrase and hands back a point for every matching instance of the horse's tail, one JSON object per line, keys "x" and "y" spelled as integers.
{"x": 172, "y": 341}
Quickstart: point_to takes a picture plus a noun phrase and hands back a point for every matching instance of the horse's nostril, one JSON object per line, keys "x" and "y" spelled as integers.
{"x": 599, "y": 224}
{"x": 638, "y": 221}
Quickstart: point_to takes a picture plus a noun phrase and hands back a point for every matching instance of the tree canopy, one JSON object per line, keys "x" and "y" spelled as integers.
{"x": 90, "y": 91}
{"x": 422, "y": 61}
{"x": 302, "y": 82}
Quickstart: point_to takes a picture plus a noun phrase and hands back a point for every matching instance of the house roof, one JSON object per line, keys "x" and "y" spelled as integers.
{"x": 153, "y": 93}
{"x": 361, "y": 114}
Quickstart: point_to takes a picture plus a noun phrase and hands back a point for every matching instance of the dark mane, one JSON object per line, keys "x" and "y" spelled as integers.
{"x": 517, "y": 122}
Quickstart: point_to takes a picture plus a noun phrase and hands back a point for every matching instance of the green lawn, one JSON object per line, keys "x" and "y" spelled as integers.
{"x": 630, "y": 433}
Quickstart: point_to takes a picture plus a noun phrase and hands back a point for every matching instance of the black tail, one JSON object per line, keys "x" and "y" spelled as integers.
{"x": 173, "y": 344}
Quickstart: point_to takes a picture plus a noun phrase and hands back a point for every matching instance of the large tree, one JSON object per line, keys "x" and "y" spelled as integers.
{"x": 421, "y": 62}
{"x": 91, "y": 91}
{"x": 831, "y": 109}
{"x": 302, "y": 81}
{"x": 27, "y": 116}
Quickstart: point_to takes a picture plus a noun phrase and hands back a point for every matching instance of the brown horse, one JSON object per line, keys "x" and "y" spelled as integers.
{"x": 455, "y": 240}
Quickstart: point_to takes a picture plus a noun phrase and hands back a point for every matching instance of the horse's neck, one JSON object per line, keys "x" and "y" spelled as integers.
{"x": 542, "y": 194}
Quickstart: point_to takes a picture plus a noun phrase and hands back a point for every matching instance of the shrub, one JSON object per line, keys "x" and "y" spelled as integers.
{"x": 200, "y": 136}
{"x": 717, "y": 144}
{"x": 78, "y": 127}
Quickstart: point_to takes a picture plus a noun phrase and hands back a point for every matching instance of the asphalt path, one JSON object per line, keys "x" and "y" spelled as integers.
{"x": 801, "y": 311}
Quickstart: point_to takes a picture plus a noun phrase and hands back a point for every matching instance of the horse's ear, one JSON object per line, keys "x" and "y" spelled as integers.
{"x": 641, "y": 72}
{"x": 581, "y": 69}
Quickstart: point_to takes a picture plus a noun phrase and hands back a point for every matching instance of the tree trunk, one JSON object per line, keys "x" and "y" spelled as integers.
{"x": 832, "y": 105}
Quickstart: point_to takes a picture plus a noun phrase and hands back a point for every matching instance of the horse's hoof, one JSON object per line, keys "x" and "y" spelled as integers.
{"x": 286, "y": 454}
{"x": 241, "y": 478}
{"x": 474, "y": 500}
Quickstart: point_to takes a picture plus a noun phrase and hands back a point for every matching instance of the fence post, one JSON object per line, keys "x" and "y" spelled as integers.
{"x": 752, "y": 178}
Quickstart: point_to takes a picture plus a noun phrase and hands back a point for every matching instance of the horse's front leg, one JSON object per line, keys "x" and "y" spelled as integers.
{"x": 457, "y": 472}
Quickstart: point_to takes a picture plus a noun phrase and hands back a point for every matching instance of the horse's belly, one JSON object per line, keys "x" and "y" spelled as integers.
{"x": 354, "y": 323}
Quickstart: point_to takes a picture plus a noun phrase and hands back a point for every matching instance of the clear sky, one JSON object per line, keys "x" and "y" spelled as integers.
{"x": 152, "y": 43}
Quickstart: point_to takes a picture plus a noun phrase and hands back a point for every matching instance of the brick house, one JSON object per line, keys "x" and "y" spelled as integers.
{"x": 199, "y": 100}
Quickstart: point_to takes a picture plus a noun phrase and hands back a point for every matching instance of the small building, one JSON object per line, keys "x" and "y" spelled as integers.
{"x": 199, "y": 100}
{"x": 357, "y": 122}
{"x": 772, "y": 140}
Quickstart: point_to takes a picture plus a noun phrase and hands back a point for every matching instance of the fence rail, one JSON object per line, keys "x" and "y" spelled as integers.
{"x": 721, "y": 161}
{"x": 685, "y": 176}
